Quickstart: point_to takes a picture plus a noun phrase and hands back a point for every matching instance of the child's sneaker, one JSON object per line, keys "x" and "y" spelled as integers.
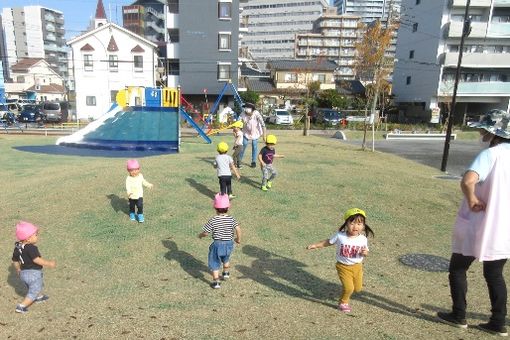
{"x": 452, "y": 320}
{"x": 488, "y": 327}
{"x": 141, "y": 219}
{"x": 269, "y": 184}
{"x": 225, "y": 275}
{"x": 264, "y": 188}
{"x": 215, "y": 285}
{"x": 41, "y": 298}
{"x": 231, "y": 196}
{"x": 132, "y": 216}
{"x": 253, "y": 165}
{"x": 344, "y": 307}
{"x": 21, "y": 309}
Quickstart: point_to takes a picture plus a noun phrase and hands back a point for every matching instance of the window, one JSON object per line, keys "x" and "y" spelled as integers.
{"x": 88, "y": 64}
{"x": 20, "y": 79}
{"x": 224, "y": 10}
{"x": 290, "y": 78}
{"x": 113, "y": 63}
{"x": 90, "y": 100}
{"x": 415, "y": 27}
{"x": 408, "y": 80}
{"x": 223, "y": 71}
{"x": 320, "y": 77}
{"x": 138, "y": 63}
{"x": 224, "y": 41}
{"x": 411, "y": 54}
{"x": 113, "y": 96}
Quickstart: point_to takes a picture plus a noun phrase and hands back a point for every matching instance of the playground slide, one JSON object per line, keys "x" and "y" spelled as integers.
{"x": 78, "y": 135}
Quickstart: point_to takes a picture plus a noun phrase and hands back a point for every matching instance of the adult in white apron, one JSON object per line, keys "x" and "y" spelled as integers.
{"x": 482, "y": 227}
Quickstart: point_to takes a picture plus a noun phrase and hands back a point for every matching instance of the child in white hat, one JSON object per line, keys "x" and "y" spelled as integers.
{"x": 28, "y": 264}
{"x": 221, "y": 227}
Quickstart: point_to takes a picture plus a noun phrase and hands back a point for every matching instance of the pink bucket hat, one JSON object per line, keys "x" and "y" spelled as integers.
{"x": 24, "y": 230}
{"x": 221, "y": 201}
{"x": 132, "y": 164}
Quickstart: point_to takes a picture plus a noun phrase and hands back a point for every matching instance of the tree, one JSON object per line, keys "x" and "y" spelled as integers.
{"x": 331, "y": 98}
{"x": 371, "y": 63}
{"x": 250, "y": 96}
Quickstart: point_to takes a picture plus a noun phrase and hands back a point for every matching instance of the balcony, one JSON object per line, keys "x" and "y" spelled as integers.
{"x": 172, "y": 50}
{"x": 484, "y": 89}
{"x": 498, "y": 29}
{"x": 172, "y": 20}
{"x": 478, "y": 60}
{"x": 474, "y": 3}
{"x": 478, "y": 29}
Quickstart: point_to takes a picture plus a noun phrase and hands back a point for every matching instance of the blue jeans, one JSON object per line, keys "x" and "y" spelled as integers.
{"x": 33, "y": 278}
{"x": 254, "y": 149}
{"x": 219, "y": 253}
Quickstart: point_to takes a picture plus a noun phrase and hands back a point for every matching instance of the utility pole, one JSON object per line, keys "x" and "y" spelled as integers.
{"x": 466, "y": 29}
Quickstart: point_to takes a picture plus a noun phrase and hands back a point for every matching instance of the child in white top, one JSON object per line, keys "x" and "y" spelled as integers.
{"x": 224, "y": 165}
{"x": 351, "y": 248}
{"x": 238, "y": 143}
{"x": 134, "y": 187}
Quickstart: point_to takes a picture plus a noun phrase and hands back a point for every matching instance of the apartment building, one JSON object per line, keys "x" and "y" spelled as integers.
{"x": 368, "y": 10}
{"x": 198, "y": 41}
{"x": 428, "y": 51}
{"x": 333, "y": 37}
{"x": 272, "y": 26}
{"x": 34, "y": 32}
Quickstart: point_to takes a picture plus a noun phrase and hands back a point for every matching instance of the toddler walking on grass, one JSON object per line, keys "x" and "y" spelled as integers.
{"x": 351, "y": 248}
{"x": 225, "y": 166}
{"x": 266, "y": 157}
{"x": 134, "y": 187}
{"x": 222, "y": 228}
{"x": 28, "y": 264}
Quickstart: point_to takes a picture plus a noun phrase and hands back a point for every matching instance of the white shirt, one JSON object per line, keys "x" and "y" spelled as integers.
{"x": 348, "y": 249}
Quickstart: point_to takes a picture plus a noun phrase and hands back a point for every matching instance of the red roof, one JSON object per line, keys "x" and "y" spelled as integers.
{"x": 112, "y": 45}
{"x": 137, "y": 49}
{"x": 25, "y": 64}
{"x": 51, "y": 88}
{"x": 87, "y": 47}
{"x": 100, "y": 13}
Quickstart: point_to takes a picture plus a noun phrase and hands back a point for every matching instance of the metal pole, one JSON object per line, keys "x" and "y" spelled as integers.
{"x": 465, "y": 32}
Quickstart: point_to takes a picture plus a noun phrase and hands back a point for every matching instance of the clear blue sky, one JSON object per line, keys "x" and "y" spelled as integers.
{"x": 77, "y": 13}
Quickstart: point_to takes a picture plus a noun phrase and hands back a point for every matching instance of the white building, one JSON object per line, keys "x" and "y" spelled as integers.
{"x": 369, "y": 10}
{"x": 107, "y": 59}
{"x": 34, "y": 32}
{"x": 32, "y": 74}
{"x": 334, "y": 37}
{"x": 272, "y": 25}
{"x": 428, "y": 51}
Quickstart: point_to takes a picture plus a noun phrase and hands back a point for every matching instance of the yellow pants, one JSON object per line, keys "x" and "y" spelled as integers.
{"x": 351, "y": 277}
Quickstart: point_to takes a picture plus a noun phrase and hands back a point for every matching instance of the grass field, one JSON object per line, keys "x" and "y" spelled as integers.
{"x": 116, "y": 279}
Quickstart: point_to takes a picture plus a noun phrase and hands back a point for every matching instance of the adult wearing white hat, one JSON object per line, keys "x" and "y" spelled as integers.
{"x": 482, "y": 227}
{"x": 253, "y": 129}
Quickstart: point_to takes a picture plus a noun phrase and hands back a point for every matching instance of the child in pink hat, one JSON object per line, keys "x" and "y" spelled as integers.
{"x": 221, "y": 227}
{"x": 28, "y": 264}
{"x": 134, "y": 187}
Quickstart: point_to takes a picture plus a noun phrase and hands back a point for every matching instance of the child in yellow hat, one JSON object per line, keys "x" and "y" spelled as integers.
{"x": 224, "y": 165}
{"x": 266, "y": 156}
{"x": 351, "y": 248}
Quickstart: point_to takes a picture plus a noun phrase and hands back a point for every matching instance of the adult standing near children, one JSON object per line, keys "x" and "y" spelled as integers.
{"x": 482, "y": 228}
{"x": 253, "y": 129}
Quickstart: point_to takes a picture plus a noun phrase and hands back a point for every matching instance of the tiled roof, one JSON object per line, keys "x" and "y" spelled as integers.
{"x": 308, "y": 65}
{"x": 24, "y": 64}
{"x": 51, "y": 88}
{"x": 260, "y": 84}
{"x": 351, "y": 87}
{"x": 251, "y": 72}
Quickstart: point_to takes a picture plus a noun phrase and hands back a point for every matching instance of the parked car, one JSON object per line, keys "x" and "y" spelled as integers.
{"x": 30, "y": 114}
{"x": 280, "y": 117}
{"x": 52, "y": 111}
{"x": 327, "y": 117}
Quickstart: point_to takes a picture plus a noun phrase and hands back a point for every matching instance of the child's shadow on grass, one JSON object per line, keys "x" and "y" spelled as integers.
{"x": 250, "y": 181}
{"x": 269, "y": 269}
{"x": 201, "y": 188}
{"x": 15, "y": 282}
{"x": 209, "y": 160}
{"x": 195, "y": 268}
{"x": 118, "y": 204}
